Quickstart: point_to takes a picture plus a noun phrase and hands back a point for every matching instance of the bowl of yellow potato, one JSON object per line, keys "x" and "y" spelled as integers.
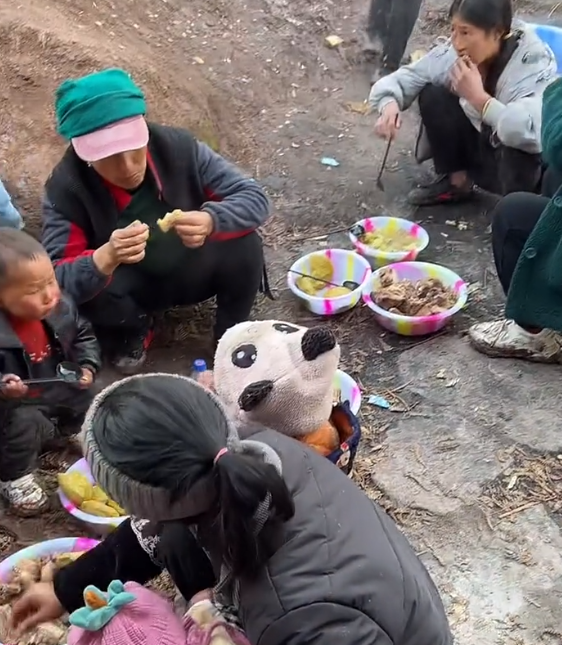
{"x": 386, "y": 240}
{"x": 329, "y": 282}
{"x": 86, "y": 501}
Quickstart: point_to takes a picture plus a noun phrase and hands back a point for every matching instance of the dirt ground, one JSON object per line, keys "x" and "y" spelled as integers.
{"x": 469, "y": 461}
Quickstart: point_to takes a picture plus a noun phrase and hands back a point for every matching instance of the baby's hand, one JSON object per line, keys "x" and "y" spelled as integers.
{"x": 206, "y": 379}
{"x": 86, "y": 379}
{"x": 13, "y": 387}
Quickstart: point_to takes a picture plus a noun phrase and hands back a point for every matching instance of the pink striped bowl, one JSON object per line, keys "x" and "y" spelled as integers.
{"x": 45, "y": 550}
{"x": 379, "y": 259}
{"x": 101, "y": 526}
{"x": 348, "y": 265}
{"x": 416, "y": 325}
{"x": 348, "y": 389}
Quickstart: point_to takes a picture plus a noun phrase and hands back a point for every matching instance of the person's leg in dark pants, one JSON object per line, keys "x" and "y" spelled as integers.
{"x": 121, "y": 316}
{"x": 22, "y": 431}
{"x": 67, "y": 416}
{"x": 231, "y": 271}
{"x": 502, "y": 170}
{"x": 454, "y": 144}
{"x": 513, "y": 220}
{"x": 185, "y": 561}
{"x": 237, "y": 281}
{"x": 377, "y": 24}
{"x": 392, "y": 22}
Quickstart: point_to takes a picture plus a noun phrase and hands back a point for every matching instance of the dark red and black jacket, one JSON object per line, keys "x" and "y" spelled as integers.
{"x": 80, "y": 211}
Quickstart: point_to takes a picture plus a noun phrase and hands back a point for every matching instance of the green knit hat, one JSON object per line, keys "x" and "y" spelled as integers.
{"x": 92, "y": 102}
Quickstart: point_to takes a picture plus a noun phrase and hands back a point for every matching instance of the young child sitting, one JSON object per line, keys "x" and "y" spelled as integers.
{"x": 39, "y": 328}
{"x": 129, "y": 614}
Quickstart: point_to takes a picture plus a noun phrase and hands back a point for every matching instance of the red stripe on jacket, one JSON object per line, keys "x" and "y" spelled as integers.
{"x": 76, "y": 246}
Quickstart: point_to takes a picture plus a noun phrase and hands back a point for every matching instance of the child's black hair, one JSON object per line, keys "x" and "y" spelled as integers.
{"x": 16, "y": 246}
{"x": 165, "y": 432}
{"x": 488, "y": 15}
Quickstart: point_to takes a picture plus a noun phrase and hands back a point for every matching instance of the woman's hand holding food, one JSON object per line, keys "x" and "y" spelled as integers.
{"x": 389, "y": 121}
{"x": 466, "y": 82}
{"x": 193, "y": 227}
{"x": 126, "y": 246}
{"x": 39, "y": 604}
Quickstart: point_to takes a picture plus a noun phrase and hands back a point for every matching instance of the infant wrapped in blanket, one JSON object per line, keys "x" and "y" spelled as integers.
{"x": 129, "y": 614}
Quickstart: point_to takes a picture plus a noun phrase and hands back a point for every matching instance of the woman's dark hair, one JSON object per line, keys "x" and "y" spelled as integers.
{"x": 165, "y": 432}
{"x": 487, "y": 15}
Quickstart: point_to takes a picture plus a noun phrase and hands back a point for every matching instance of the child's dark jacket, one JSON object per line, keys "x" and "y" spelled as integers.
{"x": 72, "y": 339}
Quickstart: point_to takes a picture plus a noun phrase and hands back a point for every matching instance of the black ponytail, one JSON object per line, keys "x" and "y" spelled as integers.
{"x": 169, "y": 433}
{"x": 246, "y": 487}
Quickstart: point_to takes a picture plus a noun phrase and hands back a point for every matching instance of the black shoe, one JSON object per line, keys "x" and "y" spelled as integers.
{"x": 132, "y": 354}
{"x": 441, "y": 191}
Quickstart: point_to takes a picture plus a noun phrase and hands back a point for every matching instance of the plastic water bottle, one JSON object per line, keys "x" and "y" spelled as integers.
{"x": 199, "y": 366}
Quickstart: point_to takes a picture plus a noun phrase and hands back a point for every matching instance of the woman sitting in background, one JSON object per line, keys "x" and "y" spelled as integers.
{"x": 480, "y": 98}
{"x": 526, "y": 238}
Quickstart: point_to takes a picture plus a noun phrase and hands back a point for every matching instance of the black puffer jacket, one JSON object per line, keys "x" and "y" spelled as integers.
{"x": 72, "y": 337}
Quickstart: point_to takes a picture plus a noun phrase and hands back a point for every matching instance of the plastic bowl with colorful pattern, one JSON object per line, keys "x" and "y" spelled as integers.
{"x": 416, "y": 325}
{"x": 348, "y": 266}
{"x": 101, "y": 526}
{"x": 45, "y": 550}
{"x": 391, "y": 225}
{"x": 348, "y": 390}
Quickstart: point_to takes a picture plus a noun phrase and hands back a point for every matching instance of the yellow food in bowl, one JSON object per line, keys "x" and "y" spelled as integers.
{"x": 88, "y": 497}
{"x": 336, "y": 292}
{"x": 390, "y": 241}
{"x": 320, "y": 268}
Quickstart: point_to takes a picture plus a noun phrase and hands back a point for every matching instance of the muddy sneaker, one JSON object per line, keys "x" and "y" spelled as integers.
{"x": 24, "y": 496}
{"x": 441, "y": 191}
{"x": 506, "y": 339}
{"x": 133, "y": 353}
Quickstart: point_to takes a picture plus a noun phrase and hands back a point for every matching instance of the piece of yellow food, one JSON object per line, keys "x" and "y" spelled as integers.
{"x": 63, "y": 559}
{"x": 98, "y": 495}
{"x": 116, "y": 506}
{"x": 98, "y": 508}
{"x": 335, "y": 292}
{"x": 76, "y": 486}
{"x": 88, "y": 497}
{"x": 321, "y": 268}
{"x": 168, "y": 220}
{"x": 390, "y": 241}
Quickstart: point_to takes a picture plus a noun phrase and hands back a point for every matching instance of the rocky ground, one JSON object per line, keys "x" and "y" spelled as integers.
{"x": 470, "y": 461}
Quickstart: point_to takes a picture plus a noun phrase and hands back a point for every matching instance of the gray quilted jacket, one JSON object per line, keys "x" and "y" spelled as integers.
{"x": 514, "y": 114}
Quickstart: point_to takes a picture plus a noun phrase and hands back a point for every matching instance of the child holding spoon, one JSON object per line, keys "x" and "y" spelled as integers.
{"x": 39, "y": 329}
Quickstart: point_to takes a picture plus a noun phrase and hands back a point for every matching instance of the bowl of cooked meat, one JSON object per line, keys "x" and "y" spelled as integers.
{"x": 414, "y": 298}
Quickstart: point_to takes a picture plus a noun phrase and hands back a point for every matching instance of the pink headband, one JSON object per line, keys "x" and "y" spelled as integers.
{"x": 219, "y": 454}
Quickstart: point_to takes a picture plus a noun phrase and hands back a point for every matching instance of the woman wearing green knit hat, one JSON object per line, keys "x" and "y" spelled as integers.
{"x": 105, "y": 226}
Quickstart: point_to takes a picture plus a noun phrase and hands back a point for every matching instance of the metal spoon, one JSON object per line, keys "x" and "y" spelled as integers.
{"x": 67, "y": 372}
{"x": 348, "y": 284}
